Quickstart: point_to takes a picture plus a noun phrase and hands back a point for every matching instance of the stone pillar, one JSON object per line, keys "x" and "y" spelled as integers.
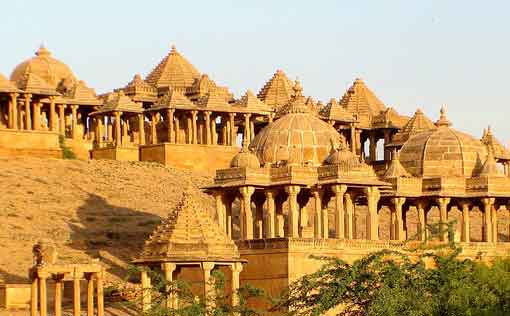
{"x": 317, "y": 224}
{"x": 259, "y": 218}
{"x": 208, "y": 283}
{"x": 247, "y": 127}
{"x": 398, "y": 229}
{"x": 359, "y": 145}
{"x": 269, "y": 218}
{"x": 353, "y": 138}
{"x": 349, "y": 216}
{"x": 141, "y": 129}
{"x": 236, "y": 269}
{"x": 74, "y": 121}
{"x": 43, "y": 308}
{"x": 177, "y": 130}
{"x": 28, "y": 120}
{"x": 14, "y": 111}
{"x": 100, "y": 294}
{"x": 487, "y": 221}
{"x": 372, "y": 146}
{"x": 125, "y": 127}
{"x": 170, "y": 125}
{"x": 443, "y": 217}
{"x": 228, "y": 217}
{"x": 194, "y": 127}
{"x": 246, "y": 221}
{"x": 118, "y": 137}
{"x": 53, "y": 114}
{"x": 146, "y": 291}
{"x": 422, "y": 220}
{"x": 465, "y": 221}
{"x": 293, "y": 219}
{"x": 109, "y": 129}
{"x": 494, "y": 226}
{"x": 506, "y": 168}
{"x": 62, "y": 119}
{"x": 76, "y": 295}
{"x": 220, "y": 209}
{"x": 154, "y": 134}
{"x": 36, "y": 115}
{"x": 90, "y": 295}
{"x": 387, "y": 140}
{"x": 33, "y": 295}
{"x": 339, "y": 190}
{"x": 252, "y": 130}
{"x": 58, "y": 295}
{"x": 168, "y": 269}
{"x": 214, "y": 133}
{"x": 373, "y": 196}
{"x": 231, "y": 117}
{"x": 208, "y": 128}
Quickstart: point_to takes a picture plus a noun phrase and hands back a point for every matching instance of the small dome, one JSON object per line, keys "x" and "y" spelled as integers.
{"x": 343, "y": 156}
{"x": 298, "y": 137}
{"x": 44, "y": 66}
{"x": 245, "y": 159}
{"x": 443, "y": 152}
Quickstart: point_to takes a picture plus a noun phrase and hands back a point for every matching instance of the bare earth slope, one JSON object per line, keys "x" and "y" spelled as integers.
{"x": 90, "y": 209}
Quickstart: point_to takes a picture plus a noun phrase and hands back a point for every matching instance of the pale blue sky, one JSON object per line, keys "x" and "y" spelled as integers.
{"x": 411, "y": 53}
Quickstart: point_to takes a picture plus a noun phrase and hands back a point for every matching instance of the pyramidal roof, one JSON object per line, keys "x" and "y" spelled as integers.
{"x": 173, "y": 99}
{"x": 81, "y": 94}
{"x": 189, "y": 234}
{"x": 214, "y": 100}
{"x": 296, "y": 104}
{"x": 6, "y": 85}
{"x": 277, "y": 91}
{"x": 251, "y": 102}
{"x": 334, "y": 111}
{"x": 396, "y": 170}
{"x": 32, "y": 83}
{"x": 361, "y": 101}
{"x": 205, "y": 85}
{"x": 416, "y": 124}
{"x": 119, "y": 102}
{"x": 173, "y": 71}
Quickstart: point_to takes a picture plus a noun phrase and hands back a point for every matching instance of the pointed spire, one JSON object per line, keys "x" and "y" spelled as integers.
{"x": 396, "y": 170}
{"x": 443, "y": 120}
{"x": 42, "y": 51}
{"x": 490, "y": 167}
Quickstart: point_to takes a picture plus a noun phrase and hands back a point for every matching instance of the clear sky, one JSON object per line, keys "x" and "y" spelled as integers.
{"x": 410, "y": 53}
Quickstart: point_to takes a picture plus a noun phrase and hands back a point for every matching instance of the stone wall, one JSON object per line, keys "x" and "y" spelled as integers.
{"x": 42, "y": 144}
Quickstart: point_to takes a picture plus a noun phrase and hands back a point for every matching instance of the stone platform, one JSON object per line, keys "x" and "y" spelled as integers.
{"x": 43, "y": 144}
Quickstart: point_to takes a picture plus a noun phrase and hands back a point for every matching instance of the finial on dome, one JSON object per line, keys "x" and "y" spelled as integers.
{"x": 443, "y": 120}
{"x": 489, "y": 130}
{"x": 418, "y": 111}
{"x": 174, "y": 49}
{"x": 42, "y": 51}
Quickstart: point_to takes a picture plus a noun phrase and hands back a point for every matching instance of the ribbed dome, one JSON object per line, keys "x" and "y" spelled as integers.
{"x": 46, "y": 67}
{"x": 443, "y": 152}
{"x": 298, "y": 137}
{"x": 245, "y": 159}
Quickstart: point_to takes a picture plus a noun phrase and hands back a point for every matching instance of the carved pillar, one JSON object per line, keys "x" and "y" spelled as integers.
{"x": 43, "y": 308}
{"x": 220, "y": 209}
{"x": 90, "y": 295}
{"x": 487, "y": 221}
{"x": 353, "y": 138}
{"x": 14, "y": 111}
{"x": 154, "y": 134}
{"x": 246, "y": 221}
{"x": 317, "y": 224}
{"x": 208, "y": 128}
{"x": 247, "y": 127}
{"x": 146, "y": 291}
{"x": 52, "y": 118}
{"x": 194, "y": 127}
{"x": 259, "y": 218}
{"x": 373, "y": 196}
{"x": 168, "y": 270}
{"x": 74, "y": 121}
{"x": 236, "y": 269}
{"x": 398, "y": 229}
{"x": 36, "y": 115}
{"x": 293, "y": 220}
{"x": 170, "y": 124}
{"x": 177, "y": 130}
{"x": 443, "y": 217}
{"x": 228, "y": 216}
{"x": 62, "y": 119}
{"x": 214, "y": 133}
{"x": 118, "y": 137}
{"x": 465, "y": 205}
{"x": 506, "y": 168}
{"x": 372, "y": 146}
{"x": 231, "y": 117}
{"x": 33, "y": 295}
{"x": 359, "y": 145}
{"x": 28, "y": 116}
{"x": 141, "y": 129}
{"x": 58, "y": 294}
{"x": 494, "y": 226}
{"x": 422, "y": 220}
{"x": 100, "y": 294}
{"x": 208, "y": 286}
{"x": 387, "y": 139}
{"x": 349, "y": 216}
{"x": 339, "y": 190}
{"x": 252, "y": 130}
{"x": 76, "y": 294}
{"x": 269, "y": 218}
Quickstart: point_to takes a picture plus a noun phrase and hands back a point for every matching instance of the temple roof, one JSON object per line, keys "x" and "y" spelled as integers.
{"x": 173, "y": 99}
{"x": 204, "y": 85}
{"x": 251, "y": 102}
{"x": 361, "y": 102}
{"x": 499, "y": 151}
{"x": 416, "y": 124}
{"x": 277, "y": 91}
{"x": 214, "y": 100}
{"x": 80, "y": 93}
{"x": 7, "y": 86}
{"x": 174, "y": 71}
{"x": 140, "y": 90}
{"x": 32, "y": 83}
{"x": 334, "y": 111}
{"x": 45, "y": 67}
{"x": 189, "y": 234}
{"x": 396, "y": 170}
{"x": 119, "y": 102}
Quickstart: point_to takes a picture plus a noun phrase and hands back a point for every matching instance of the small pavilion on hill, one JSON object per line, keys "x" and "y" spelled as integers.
{"x": 189, "y": 237}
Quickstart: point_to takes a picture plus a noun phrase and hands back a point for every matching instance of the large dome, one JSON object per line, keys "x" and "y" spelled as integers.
{"x": 298, "y": 137}
{"x": 443, "y": 152}
{"x": 44, "y": 66}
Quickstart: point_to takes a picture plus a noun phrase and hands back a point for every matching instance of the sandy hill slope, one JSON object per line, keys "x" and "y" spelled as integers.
{"x": 90, "y": 209}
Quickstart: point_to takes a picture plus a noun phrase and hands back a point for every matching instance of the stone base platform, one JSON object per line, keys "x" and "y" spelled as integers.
{"x": 206, "y": 158}
{"x": 43, "y": 144}
{"x": 15, "y": 296}
{"x": 116, "y": 153}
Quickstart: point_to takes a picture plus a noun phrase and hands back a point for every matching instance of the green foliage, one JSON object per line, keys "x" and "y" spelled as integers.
{"x": 415, "y": 282}
{"x": 67, "y": 153}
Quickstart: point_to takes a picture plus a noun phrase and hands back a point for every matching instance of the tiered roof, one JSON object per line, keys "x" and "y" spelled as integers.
{"x": 189, "y": 234}
{"x": 7, "y": 86}
{"x": 334, "y": 111}
{"x": 119, "y": 102}
{"x": 277, "y": 91}
{"x": 250, "y": 102}
{"x": 362, "y": 102}
{"x": 32, "y": 83}
{"x": 215, "y": 101}
{"x": 173, "y": 99}
{"x": 416, "y": 124}
{"x": 173, "y": 71}
{"x": 140, "y": 90}
{"x": 80, "y": 93}
{"x": 204, "y": 86}
{"x": 396, "y": 170}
